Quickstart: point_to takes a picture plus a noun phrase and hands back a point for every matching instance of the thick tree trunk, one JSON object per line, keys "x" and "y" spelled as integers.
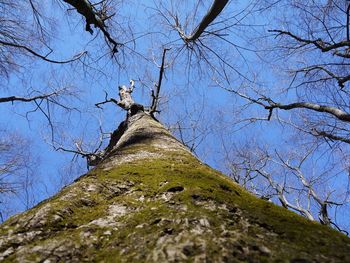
{"x": 151, "y": 200}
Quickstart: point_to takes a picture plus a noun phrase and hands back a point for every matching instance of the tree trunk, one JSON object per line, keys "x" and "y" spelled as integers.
{"x": 151, "y": 200}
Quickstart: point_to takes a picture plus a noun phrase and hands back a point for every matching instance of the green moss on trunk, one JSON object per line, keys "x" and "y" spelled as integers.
{"x": 152, "y": 201}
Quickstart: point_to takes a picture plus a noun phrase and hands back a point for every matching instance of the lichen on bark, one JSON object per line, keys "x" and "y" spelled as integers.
{"x": 151, "y": 200}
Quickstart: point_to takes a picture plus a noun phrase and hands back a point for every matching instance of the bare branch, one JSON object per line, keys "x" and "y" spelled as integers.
{"x": 336, "y": 112}
{"x": 93, "y": 17}
{"x": 213, "y": 12}
{"x": 331, "y": 136}
{"x": 155, "y": 96}
{"x": 27, "y": 99}
{"x": 318, "y": 43}
{"x": 92, "y": 158}
{"x": 282, "y": 198}
{"x": 341, "y": 79}
{"x": 76, "y": 57}
{"x": 339, "y": 114}
{"x": 323, "y": 211}
{"x": 106, "y": 101}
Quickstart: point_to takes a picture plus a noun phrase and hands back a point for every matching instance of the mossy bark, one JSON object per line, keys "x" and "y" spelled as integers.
{"x": 151, "y": 200}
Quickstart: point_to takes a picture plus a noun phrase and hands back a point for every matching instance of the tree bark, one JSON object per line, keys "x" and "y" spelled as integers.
{"x": 214, "y": 11}
{"x": 151, "y": 200}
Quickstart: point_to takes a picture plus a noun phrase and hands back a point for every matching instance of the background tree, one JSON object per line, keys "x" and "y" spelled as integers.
{"x": 309, "y": 100}
{"x": 16, "y": 173}
{"x": 25, "y": 38}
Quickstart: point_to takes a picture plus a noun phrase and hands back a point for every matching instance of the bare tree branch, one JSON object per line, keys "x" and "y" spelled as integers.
{"x": 93, "y": 17}
{"x": 336, "y": 112}
{"x": 261, "y": 164}
{"x": 98, "y": 105}
{"x": 340, "y": 79}
{"x": 281, "y": 196}
{"x": 76, "y": 57}
{"x": 155, "y": 96}
{"x": 27, "y": 99}
{"x": 214, "y": 11}
{"x": 92, "y": 158}
{"x": 319, "y": 43}
{"x": 323, "y": 211}
{"x": 331, "y": 136}
{"x": 339, "y": 114}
